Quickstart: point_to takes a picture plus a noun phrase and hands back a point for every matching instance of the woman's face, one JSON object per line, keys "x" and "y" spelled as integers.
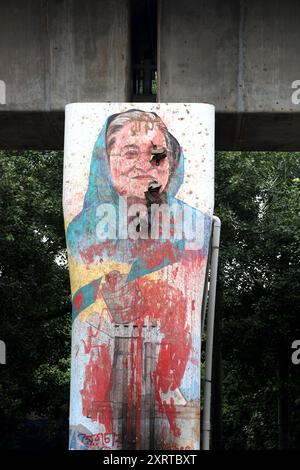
{"x": 132, "y": 165}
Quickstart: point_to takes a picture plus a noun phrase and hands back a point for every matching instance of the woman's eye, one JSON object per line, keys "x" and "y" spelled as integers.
{"x": 131, "y": 154}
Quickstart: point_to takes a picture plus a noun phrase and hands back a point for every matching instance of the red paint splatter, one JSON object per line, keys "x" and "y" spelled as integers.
{"x": 152, "y": 300}
{"x": 134, "y": 391}
{"x": 89, "y": 254}
{"x": 96, "y": 401}
{"x": 78, "y": 301}
{"x": 164, "y": 251}
{"x": 170, "y": 412}
{"x": 168, "y": 304}
{"x": 139, "y": 384}
{"x": 175, "y": 272}
{"x": 130, "y": 391}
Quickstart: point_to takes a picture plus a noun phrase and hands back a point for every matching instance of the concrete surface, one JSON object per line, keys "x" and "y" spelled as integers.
{"x": 56, "y": 52}
{"x": 241, "y": 55}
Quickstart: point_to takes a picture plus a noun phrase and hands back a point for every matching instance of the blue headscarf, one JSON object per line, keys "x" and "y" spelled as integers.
{"x": 81, "y": 232}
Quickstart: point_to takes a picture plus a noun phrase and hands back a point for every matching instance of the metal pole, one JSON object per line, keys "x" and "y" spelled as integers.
{"x": 205, "y": 292}
{"x": 210, "y": 332}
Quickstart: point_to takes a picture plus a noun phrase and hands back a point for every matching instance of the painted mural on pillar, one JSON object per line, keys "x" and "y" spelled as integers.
{"x": 138, "y": 233}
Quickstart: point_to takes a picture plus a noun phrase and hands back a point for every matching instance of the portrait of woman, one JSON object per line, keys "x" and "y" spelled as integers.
{"x": 135, "y": 283}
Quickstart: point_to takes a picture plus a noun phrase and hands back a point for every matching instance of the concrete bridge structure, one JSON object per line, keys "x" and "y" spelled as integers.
{"x": 241, "y": 55}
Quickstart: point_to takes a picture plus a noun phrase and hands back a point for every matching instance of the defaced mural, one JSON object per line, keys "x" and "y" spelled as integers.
{"x": 137, "y": 256}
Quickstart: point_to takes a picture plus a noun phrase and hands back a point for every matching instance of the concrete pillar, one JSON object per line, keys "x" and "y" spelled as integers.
{"x": 239, "y": 55}
{"x": 137, "y": 282}
{"x": 53, "y": 53}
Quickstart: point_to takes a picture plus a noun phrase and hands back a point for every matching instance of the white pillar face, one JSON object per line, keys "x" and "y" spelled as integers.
{"x": 138, "y": 205}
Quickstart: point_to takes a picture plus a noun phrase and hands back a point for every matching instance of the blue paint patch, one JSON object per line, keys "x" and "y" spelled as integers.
{"x": 84, "y": 297}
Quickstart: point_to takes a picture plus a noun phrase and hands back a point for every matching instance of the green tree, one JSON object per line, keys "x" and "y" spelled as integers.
{"x": 35, "y": 300}
{"x": 258, "y": 201}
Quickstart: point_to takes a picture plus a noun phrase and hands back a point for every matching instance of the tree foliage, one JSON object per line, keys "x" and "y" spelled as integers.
{"x": 257, "y": 199}
{"x": 35, "y": 300}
